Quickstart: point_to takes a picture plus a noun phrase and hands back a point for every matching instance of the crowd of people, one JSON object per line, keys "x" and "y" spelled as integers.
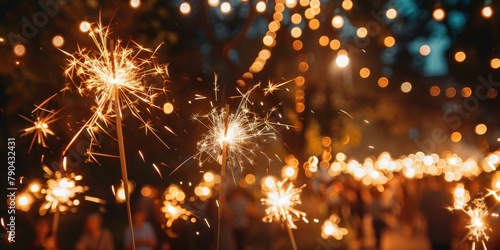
{"x": 411, "y": 206}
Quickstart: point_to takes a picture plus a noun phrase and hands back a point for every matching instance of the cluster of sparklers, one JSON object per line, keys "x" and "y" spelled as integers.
{"x": 115, "y": 76}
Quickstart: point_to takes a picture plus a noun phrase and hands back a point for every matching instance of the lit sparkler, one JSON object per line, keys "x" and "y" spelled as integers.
{"x": 115, "y": 75}
{"x": 331, "y": 228}
{"x": 231, "y": 138}
{"x": 174, "y": 197}
{"x": 281, "y": 199}
{"x": 477, "y": 213}
{"x": 238, "y": 130}
{"x": 42, "y": 118}
{"x": 60, "y": 194}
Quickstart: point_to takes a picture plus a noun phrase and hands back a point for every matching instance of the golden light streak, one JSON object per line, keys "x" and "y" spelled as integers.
{"x": 271, "y": 86}
{"x": 114, "y": 73}
{"x": 280, "y": 200}
{"x": 42, "y": 118}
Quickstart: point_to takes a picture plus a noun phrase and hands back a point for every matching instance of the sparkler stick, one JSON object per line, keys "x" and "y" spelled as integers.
{"x": 222, "y": 174}
{"x": 292, "y": 238}
{"x": 121, "y": 148}
{"x": 55, "y": 222}
{"x": 123, "y": 166}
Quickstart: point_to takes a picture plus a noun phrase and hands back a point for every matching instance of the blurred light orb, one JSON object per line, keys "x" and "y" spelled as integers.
{"x": 185, "y": 8}
{"x": 466, "y": 92}
{"x": 84, "y": 26}
{"x": 135, "y": 3}
{"x": 425, "y": 50}
{"x": 364, "y": 72}
{"x": 391, "y": 13}
{"x": 225, "y": 7}
{"x": 291, "y": 3}
{"x": 383, "y": 82}
{"x": 460, "y": 56}
{"x": 324, "y": 40}
{"x": 456, "y": 137}
{"x": 481, "y": 129}
{"x": 495, "y": 63}
{"x": 347, "y": 5}
{"x": 168, "y": 108}
{"x": 19, "y": 50}
{"x": 296, "y": 32}
{"x": 261, "y": 6}
{"x": 435, "y": 90}
{"x": 214, "y": 3}
{"x": 450, "y": 92}
{"x": 337, "y": 21}
{"x": 342, "y": 59}
{"x": 406, "y": 87}
{"x": 58, "y": 41}
{"x": 362, "y": 32}
{"x": 335, "y": 44}
{"x": 439, "y": 14}
{"x": 487, "y": 11}
{"x": 389, "y": 41}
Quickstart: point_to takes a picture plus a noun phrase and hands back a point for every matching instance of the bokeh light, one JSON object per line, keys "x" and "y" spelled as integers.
{"x": 481, "y": 129}
{"x": 406, "y": 87}
{"x": 460, "y": 56}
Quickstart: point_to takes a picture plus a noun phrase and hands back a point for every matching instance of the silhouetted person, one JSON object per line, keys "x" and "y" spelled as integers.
{"x": 377, "y": 211}
{"x": 434, "y": 206}
{"x": 95, "y": 237}
{"x": 145, "y": 235}
{"x": 44, "y": 240}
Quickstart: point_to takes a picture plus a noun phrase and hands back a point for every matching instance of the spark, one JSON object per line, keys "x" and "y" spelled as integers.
{"x": 271, "y": 86}
{"x": 157, "y": 170}
{"x": 114, "y": 75}
{"x": 281, "y": 198}
{"x": 345, "y": 112}
{"x": 330, "y": 228}
{"x": 216, "y": 86}
{"x": 42, "y": 118}
{"x": 142, "y": 156}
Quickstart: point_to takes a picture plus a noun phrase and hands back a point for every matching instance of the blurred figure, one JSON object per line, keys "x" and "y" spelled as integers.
{"x": 44, "y": 240}
{"x": 434, "y": 204}
{"x": 240, "y": 203}
{"x": 145, "y": 235}
{"x": 95, "y": 237}
{"x": 377, "y": 211}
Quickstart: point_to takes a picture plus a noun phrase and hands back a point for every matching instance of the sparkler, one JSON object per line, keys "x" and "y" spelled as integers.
{"x": 115, "y": 76}
{"x": 231, "y": 138}
{"x": 174, "y": 197}
{"x": 42, "y": 119}
{"x": 60, "y": 194}
{"x": 330, "y": 228}
{"x": 281, "y": 198}
{"x": 477, "y": 213}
